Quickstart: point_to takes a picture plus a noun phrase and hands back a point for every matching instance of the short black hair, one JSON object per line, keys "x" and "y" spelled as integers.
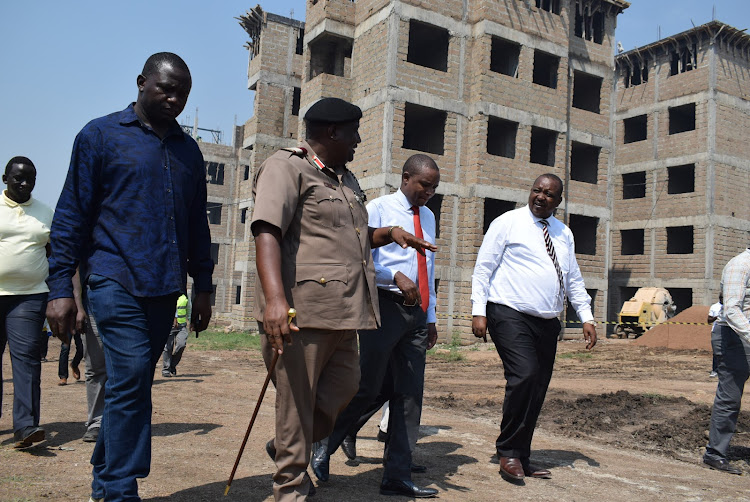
{"x": 556, "y": 178}
{"x": 417, "y": 162}
{"x": 156, "y": 61}
{"x": 18, "y": 159}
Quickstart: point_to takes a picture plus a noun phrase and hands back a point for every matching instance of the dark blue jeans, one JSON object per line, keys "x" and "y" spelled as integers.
{"x": 21, "y": 321}
{"x": 133, "y": 332}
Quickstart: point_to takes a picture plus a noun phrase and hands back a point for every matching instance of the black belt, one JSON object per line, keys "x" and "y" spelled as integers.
{"x": 392, "y": 296}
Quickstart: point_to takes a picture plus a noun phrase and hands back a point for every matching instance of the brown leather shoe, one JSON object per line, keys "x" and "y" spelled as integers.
{"x": 533, "y": 471}
{"x": 76, "y": 372}
{"x": 511, "y": 468}
{"x": 63, "y": 381}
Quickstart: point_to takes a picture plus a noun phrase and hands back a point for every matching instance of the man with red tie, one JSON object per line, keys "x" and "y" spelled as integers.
{"x": 406, "y": 293}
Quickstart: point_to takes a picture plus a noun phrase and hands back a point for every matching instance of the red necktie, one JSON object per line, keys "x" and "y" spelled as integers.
{"x": 424, "y": 288}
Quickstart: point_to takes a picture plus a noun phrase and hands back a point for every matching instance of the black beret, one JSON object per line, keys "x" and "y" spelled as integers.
{"x": 333, "y": 110}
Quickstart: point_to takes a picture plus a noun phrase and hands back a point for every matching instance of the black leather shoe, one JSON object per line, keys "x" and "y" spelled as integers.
{"x": 721, "y": 464}
{"x": 418, "y": 469}
{"x": 349, "y": 447}
{"x": 382, "y": 436}
{"x": 271, "y": 449}
{"x": 320, "y": 462}
{"x": 407, "y": 489}
{"x": 28, "y": 436}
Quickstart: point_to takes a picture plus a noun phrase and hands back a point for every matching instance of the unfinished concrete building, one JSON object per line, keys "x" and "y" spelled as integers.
{"x": 680, "y": 173}
{"x": 497, "y": 92}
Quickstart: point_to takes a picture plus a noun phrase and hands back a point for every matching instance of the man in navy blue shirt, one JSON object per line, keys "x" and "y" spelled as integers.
{"x": 132, "y": 214}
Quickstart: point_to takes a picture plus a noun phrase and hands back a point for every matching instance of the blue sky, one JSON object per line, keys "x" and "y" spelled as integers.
{"x": 66, "y": 62}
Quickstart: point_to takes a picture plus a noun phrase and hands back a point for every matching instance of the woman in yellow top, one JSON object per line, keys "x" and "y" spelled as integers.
{"x": 24, "y": 247}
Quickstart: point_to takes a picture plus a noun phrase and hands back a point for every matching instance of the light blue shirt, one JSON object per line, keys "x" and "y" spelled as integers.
{"x": 395, "y": 210}
{"x": 514, "y": 269}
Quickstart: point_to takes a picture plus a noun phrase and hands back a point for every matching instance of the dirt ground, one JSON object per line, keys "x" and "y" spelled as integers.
{"x": 624, "y": 423}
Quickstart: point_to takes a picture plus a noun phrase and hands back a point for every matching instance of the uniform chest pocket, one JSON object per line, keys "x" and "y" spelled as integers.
{"x": 328, "y": 207}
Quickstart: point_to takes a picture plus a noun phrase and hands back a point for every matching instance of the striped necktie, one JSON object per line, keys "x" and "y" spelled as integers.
{"x": 553, "y": 256}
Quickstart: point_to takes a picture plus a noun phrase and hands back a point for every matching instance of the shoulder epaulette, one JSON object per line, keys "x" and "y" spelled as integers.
{"x": 298, "y": 151}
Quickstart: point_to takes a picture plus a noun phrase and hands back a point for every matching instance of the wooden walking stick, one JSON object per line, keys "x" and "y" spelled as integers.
{"x": 290, "y": 315}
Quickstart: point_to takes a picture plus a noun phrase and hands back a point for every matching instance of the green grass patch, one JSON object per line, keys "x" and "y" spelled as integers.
{"x": 218, "y": 340}
{"x": 575, "y": 355}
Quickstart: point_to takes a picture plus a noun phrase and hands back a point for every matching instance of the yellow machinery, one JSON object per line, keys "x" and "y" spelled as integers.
{"x": 649, "y": 307}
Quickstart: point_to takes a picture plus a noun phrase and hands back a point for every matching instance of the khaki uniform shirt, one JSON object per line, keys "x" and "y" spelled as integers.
{"x": 326, "y": 263}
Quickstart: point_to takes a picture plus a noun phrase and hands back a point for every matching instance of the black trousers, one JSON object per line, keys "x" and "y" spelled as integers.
{"x": 527, "y": 346}
{"x": 401, "y": 341}
{"x": 62, "y": 365}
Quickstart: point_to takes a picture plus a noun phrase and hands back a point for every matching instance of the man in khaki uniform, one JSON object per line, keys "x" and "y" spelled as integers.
{"x": 313, "y": 253}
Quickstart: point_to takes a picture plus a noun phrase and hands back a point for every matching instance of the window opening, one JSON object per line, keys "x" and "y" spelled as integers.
{"x": 504, "y": 57}
{"x": 634, "y": 185}
{"x": 435, "y": 204}
{"x": 587, "y": 90}
{"x": 424, "y": 129}
{"x": 501, "y": 137}
{"x": 584, "y": 162}
{"x": 214, "y": 213}
{"x": 636, "y": 128}
{"x": 680, "y": 240}
{"x": 543, "y": 143}
{"x": 631, "y": 241}
{"x": 428, "y": 45}
{"x": 584, "y": 233}
{"x": 681, "y": 179}
{"x": 214, "y": 173}
{"x": 545, "y": 69}
{"x": 494, "y": 208}
{"x": 682, "y": 118}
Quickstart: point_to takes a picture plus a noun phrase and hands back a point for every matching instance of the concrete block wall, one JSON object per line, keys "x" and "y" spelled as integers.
{"x": 381, "y": 81}
{"x": 715, "y": 148}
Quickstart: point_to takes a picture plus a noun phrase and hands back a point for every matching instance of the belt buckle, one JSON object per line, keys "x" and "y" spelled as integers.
{"x": 409, "y": 304}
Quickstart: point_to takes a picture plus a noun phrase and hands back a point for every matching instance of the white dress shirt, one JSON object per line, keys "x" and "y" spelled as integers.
{"x": 514, "y": 269}
{"x": 394, "y": 209}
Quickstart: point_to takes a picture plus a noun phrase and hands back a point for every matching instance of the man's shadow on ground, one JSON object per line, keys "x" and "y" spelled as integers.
{"x": 340, "y": 486}
{"x": 66, "y": 435}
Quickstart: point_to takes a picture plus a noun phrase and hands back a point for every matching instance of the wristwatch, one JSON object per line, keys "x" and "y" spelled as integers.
{"x": 592, "y": 322}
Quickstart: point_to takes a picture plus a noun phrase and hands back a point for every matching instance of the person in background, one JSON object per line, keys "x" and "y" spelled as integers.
{"x": 46, "y": 333}
{"x": 177, "y": 338}
{"x": 713, "y": 315}
{"x": 62, "y": 367}
{"x": 24, "y": 246}
{"x": 730, "y": 341}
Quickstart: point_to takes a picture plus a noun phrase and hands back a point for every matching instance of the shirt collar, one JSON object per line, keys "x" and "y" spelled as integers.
{"x": 128, "y": 117}
{"x": 536, "y": 219}
{"x": 403, "y": 200}
{"x": 11, "y": 203}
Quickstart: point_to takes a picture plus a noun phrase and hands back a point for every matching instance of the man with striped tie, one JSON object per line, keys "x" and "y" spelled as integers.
{"x": 525, "y": 269}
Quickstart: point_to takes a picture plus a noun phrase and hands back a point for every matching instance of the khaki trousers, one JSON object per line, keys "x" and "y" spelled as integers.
{"x": 315, "y": 378}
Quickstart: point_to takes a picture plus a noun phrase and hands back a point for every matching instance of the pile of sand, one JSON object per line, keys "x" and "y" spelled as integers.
{"x": 676, "y": 336}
